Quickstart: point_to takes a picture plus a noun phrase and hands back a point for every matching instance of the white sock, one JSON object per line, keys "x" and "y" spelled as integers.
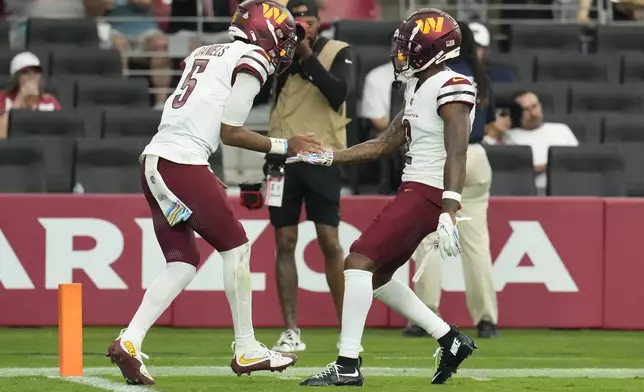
{"x": 404, "y": 301}
{"x": 158, "y": 297}
{"x": 239, "y": 292}
{"x": 358, "y": 295}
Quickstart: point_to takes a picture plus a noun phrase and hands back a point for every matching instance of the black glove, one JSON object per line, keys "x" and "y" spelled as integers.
{"x": 251, "y": 195}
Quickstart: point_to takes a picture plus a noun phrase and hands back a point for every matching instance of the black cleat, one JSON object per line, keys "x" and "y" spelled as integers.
{"x": 337, "y": 375}
{"x": 455, "y": 348}
{"x": 487, "y": 330}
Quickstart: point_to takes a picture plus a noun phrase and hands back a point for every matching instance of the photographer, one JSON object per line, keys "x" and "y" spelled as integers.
{"x": 308, "y": 98}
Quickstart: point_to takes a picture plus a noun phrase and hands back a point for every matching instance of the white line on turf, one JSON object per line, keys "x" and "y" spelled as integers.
{"x": 102, "y": 383}
{"x": 161, "y": 371}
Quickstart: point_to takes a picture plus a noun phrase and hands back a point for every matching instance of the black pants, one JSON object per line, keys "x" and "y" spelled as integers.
{"x": 318, "y": 187}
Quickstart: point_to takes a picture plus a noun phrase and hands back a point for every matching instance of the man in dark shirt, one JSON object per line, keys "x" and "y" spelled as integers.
{"x": 309, "y": 98}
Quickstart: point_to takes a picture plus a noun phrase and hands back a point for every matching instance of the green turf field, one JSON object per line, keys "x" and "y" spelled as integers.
{"x": 198, "y": 359}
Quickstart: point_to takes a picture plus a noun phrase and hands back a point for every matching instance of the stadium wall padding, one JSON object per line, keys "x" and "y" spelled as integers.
{"x": 558, "y": 263}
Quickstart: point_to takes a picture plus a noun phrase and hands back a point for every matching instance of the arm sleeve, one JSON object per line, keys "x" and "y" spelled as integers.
{"x": 454, "y": 90}
{"x": 337, "y": 83}
{"x": 255, "y": 63}
{"x": 241, "y": 99}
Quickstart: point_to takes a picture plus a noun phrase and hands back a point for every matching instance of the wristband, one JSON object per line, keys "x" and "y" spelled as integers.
{"x": 278, "y": 146}
{"x": 452, "y": 195}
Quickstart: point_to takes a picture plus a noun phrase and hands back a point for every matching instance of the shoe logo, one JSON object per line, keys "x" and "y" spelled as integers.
{"x": 244, "y": 361}
{"x": 456, "y": 80}
{"x": 130, "y": 348}
{"x": 455, "y": 345}
{"x": 354, "y": 374}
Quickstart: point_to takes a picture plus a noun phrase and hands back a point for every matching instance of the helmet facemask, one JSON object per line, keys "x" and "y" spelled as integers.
{"x": 284, "y": 51}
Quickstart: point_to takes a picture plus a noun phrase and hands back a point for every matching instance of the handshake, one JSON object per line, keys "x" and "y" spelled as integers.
{"x": 305, "y": 148}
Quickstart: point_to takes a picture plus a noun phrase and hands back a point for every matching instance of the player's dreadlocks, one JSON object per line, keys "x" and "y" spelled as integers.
{"x": 469, "y": 57}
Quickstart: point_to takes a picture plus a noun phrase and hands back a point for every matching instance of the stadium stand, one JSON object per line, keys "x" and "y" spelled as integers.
{"x": 22, "y": 166}
{"x": 109, "y": 165}
{"x": 513, "y": 171}
{"x": 588, "y": 170}
{"x": 590, "y": 78}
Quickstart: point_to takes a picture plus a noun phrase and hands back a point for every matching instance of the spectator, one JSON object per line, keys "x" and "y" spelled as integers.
{"x": 539, "y": 135}
{"x": 508, "y": 115}
{"x": 25, "y": 89}
{"x": 482, "y": 39}
{"x": 139, "y": 34}
{"x": 309, "y": 97}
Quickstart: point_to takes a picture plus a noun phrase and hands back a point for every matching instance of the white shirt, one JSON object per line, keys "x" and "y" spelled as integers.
{"x": 376, "y": 94}
{"x": 425, "y": 156}
{"x": 190, "y": 126}
{"x": 540, "y": 140}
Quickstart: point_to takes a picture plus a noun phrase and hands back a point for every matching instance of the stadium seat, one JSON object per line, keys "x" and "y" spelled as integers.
{"x": 549, "y": 37}
{"x": 365, "y": 33}
{"x": 521, "y": 65}
{"x": 606, "y": 98}
{"x": 573, "y": 67}
{"x": 86, "y": 62}
{"x": 633, "y": 154}
{"x": 611, "y": 39}
{"x": 592, "y": 170}
{"x": 63, "y": 89}
{"x": 586, "y": 127}
{"x": 109, "y": 165}
{"x": 21, "y": 166}
{"x": 58, "y": 130}
{"x": 79, "y": 32}
{"x": 513, "y": 170}
{"x": 5, "y": 28}
{"x": 369, "y": 57}
{"x": 632, "y": 68}
{"x": 623, "y": 129}
{"x": 118, "y": 123}
{"x": 114, "y": 91}
{"x": 554, "y": 97}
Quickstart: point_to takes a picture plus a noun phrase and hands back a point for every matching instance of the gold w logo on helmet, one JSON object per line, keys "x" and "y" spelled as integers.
{"x": 274, "y": 13}
{"x": 428, "y": 25}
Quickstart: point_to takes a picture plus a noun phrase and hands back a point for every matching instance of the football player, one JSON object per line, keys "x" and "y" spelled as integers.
{"x": 209, "y": 106}
{"x": 434, "y": 126}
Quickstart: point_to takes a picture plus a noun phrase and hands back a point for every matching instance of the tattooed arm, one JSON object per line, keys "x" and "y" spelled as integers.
{"x": 388, "y": 141}
{"x": 456, "y": 118}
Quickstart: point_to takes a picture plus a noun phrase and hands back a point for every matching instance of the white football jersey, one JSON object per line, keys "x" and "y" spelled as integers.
{"x": 190, "y": 126}
{"x": 425, "y": 146}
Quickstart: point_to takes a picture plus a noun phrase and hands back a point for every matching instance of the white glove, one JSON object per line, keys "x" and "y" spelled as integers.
{"x": 324, "y": 159}
{"x": 448, "y": 241}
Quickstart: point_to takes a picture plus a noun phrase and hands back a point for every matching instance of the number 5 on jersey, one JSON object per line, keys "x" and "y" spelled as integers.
{"x": 189, "y": 84}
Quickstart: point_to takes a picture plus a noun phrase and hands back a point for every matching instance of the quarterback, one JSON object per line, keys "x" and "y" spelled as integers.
{"x": 209, "y": 106}
{"x": 434, "y": 127}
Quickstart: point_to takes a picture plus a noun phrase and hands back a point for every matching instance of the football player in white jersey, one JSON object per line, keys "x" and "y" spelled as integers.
{"x": 210, "y": 105}
{"x": 434, "y": 126}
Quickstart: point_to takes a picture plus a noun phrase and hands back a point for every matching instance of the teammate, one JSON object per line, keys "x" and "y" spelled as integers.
{"x": 434, "y": 125}
{"x": 210, "y": 104}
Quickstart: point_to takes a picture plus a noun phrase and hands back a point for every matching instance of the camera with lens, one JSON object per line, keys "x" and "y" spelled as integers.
{"x": 301, "y": 30}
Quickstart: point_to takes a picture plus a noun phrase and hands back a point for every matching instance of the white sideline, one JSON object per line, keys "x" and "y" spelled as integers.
{"x": 161, "y": 371}
{"x": 102, "y": 383}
